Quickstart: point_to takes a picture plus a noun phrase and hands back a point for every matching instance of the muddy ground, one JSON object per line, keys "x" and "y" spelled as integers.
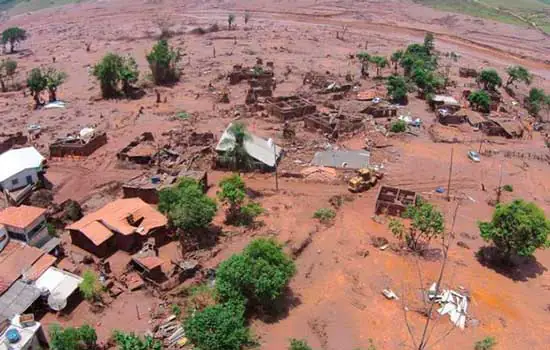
{"x": 336, "y": 302}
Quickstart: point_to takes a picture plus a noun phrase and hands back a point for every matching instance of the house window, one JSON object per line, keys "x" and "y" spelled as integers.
{"x": 15, "y": 181}
{"x": 29, "y": 180}
{"x": 18, "y": 236}
{"x": 36, "y": 230}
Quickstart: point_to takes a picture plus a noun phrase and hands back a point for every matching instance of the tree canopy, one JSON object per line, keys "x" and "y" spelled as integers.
{"x": 236, "y": 155}
{"x": 480, "y": 100}
{"x": 397, "y": 89}
{"x": 240, "y": 211}
{"x": 72, "y": 338}
{"x": 163, "y": 62}
{"x": 518, "y": 228}
{"x": 131, "y": 341}
{"x": 534, "y": 101}
{"x": 90, "y": 287}
{"x": 258, "y": 275}
{"x": 380, "y": 62}
{"x": 490, "y": 79}
{"x": 218, "y": 327}
{"x": 299, "y": 344}
{"x": 518, "y": 73}
{"x": 54, "y": 79}
{"x": 187, "y": 207}
{"x": 116, "y": 73}
{"x": 36, "y": 82}
{"x": 13, "y": 36}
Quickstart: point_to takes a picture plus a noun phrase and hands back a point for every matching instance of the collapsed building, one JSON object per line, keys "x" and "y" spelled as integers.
{"x": 258, "y": 72}
{"x": 9, "y": 140}
{"x": 380, "y": 110}
{"x": 505, "y": 127}
{"x": 394, "y": 201}
{"x": 465, "y": 72}
{"x": 83, "y": 145}
{"x": 289, "y": 107}
{"x": 147, "y": 186}
{"x": 140, "y": 151}
{"x": 333, "y": 123}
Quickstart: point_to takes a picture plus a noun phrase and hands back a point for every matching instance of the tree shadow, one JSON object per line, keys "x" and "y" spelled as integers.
{"x": 519, "y": 269}
{"x": 201, "y": 239}
{"x": 279, "y": 309}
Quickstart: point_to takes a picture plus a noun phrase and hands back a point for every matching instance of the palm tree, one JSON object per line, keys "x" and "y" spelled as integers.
{"x": 236, "y": 153}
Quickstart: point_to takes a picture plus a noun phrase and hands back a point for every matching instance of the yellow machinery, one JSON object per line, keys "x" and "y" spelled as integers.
{"x": 364, "y": 180}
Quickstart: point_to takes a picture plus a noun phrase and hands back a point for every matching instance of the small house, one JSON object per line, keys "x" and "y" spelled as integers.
{"x": 20, "y": 168}
{"x": 28, "y": 224}
{"x": 445, "y": 102}
{"x": 123, "y": 224}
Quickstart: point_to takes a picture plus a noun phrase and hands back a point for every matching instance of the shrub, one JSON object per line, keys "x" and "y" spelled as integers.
{"x": 218, "y": 327}
{"x": 397, "y": 89}
{"x": 115, "y": 72}
{"x": 508, "y": 188}
{"x": 51, "y": 229}
{"x": 133, "y": 342}
{"x": 480, "y": 100}
{"x": 398, "y": 126}
{"x": 13, "y": 36}
{"x": 298, "y": 344}
{"x": 325, "y": 215}
{"x": 90, "y": 286}
{"x": 187, "y": 207}
{"x": 490, "y": 79}
{"x": 426, "y": 223}
{"x": 487, "y": 343}
{"x": 233, "y": 194}
{"x": 534, "y": 101}
{"x": 176, "y": 310}
{"x": 71, "y": 338}
{"x": 259, "y": 274}
{"x": 163, "y": 62}
{"x": 518, "y": 228}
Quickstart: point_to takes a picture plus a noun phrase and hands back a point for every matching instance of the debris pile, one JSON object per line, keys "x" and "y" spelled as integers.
{"x": 452, "y": 303}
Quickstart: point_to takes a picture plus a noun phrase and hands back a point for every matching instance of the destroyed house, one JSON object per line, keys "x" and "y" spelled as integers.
{"x": 380, "y": 110}
{"x": 77, "y": 146}
{"x": 140, "y": 151}
{"x": 8, "y": 141}
{"x": 445, "y": 102}
{"x": 148, "y": 186}
{"x": 123, "y": 224}
{"x": 508, "y": 128}
{"x": 447, "y": 117}
{"x": 240, "y": 73}
{"x": 264, "y": 155}
{"x": 394, "y": 201}
{"x": 289, "y": 107}
{"x": 333, "y": 122}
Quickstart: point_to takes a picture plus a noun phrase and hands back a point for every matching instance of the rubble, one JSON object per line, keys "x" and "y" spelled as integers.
{"x": 289, "y": 107}
{"x": 86, "y": 143}
{"x": 452, "y": 303}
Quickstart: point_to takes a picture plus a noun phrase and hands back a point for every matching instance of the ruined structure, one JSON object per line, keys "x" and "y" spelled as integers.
{"x": 240, "y": 73}
{"x": 381, "y": 110}
{"x": 393, "y": 201}
{"x": 289, "y": 107}
{"x": 333, "y": 123}
{"x": 464, "y": 72}
{"x": 7, "y": 141}
{"x": 77, "y": 146}
{"x": 140, "y": 151}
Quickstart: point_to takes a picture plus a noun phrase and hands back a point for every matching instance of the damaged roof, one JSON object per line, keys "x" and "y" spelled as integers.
{"x": 20, "y": 217}
{"x": 342, "y": 159}
{"x": 15, "y": 161}
{"x": 256, "y": 147}
{"x": 448, "y": 100}
{"x": 118, "y": 216}
{"x": 16, "y": 258}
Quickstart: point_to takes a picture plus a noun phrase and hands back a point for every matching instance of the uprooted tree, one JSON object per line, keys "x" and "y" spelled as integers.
{"x": 13, "y": 36}
{"x": 116, "y": 74}
{"x": 163, "y": 62}
{"x": 517, "y": 228}
{"x": 426, "y": 223}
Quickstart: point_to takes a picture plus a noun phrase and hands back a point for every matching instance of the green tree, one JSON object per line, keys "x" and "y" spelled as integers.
{"x": 70, "y": 338}
{"x": 54, "y": 79}
{"x": 395, "y": 58}
{"x": 534, "y": 101}
{"x": 490, "y": 79}
{"x": 397, "y": 89}
{"x": 90, "y": 286}
{"x": 426, "y": 80}
{"x": 517, "y": 228}
{"x": 258, "y": 275}
{"x": 218, "y": 327}
{"x": 187, "y": 207}
{"x": 299, "y": 344}
{"x": 380, "y": 62}
{"x": 13, "y": 36}
{"x": 429, "y": 45}
{"x": 518, "y": 73}
{"x": 426, "y": 224}
{"x": 230, "y": 20}
{"x": 36, "y": 82}
{"x": 364, "y": 58}
{"x": 8, "y": 69}
{"x": 236, "y": 153}
{"x": 487, "y": 343}
{"x": 480, "y": 100}
{"x": 398, "y": 126}
{"x": 546, "y": 105}
{"x": 114, "y": 70}
{"x": 233, "y": 194}
{"x": 163, "y": 62}
{"x": 131, "y": 341}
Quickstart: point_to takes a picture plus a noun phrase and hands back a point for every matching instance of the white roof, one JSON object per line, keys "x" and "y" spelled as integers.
{"x": 445, "y": 99}
{"x": 256, "y": 147}
{"x": 26, "y": 334}
{"x": 14, "y": 161}
{"x": 61, "y": 284}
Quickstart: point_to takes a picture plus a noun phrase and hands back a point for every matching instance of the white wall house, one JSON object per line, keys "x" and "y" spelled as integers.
{"x": 19, "y": 168}
{"x": 25, "y": 223}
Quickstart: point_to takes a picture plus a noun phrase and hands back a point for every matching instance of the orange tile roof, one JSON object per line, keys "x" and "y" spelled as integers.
{"x": 40, "y": 266}
{"x": 96, "y": 232}
{"x": 15, "y": 258}
{"x": 150, "y": 262}
{"x": 114, "y": 216}
{"x": 20, "y": 217}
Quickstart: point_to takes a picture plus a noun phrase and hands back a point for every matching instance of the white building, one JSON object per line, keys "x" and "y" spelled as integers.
{"x": 26, "y": 224}
{"x": 19, "y": 168}
{"x": 22, "y": 336}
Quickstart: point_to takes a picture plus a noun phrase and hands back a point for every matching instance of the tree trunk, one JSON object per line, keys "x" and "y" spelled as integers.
{"x": 3, "y": 85}
{"x": 53, "y": 95}
{"x": 36, "y": 96}
{"x": 12, "y": 46}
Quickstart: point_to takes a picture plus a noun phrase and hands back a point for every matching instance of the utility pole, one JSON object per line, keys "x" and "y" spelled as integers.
{"x": 480, "y": 143}
{"x": 450, "y": 175}
{"x": 499, "y": 189}
{"x": 271, "y": 143}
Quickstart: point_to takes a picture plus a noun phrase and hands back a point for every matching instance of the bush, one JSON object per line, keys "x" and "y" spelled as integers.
{"x": 397, "y": 89}
{"x": 517, "y": 228}
{"x": 233, "y": 194}
{"x": 480, "y": 100}
{"x": 486, "y": 344}
{"x": 133, "y": 342}
{"x": 90, "y": 286}
{"x": 114, "y": 73}
{"x": 187, "y": 207}
{"x": 218, "y": 327}
{"x": 534, "y": 101}
{"x": 13, "y": 36}
{"x": 325, "y": 215}
{"x": 298, "y": 344}
{"x": 163, "y": 62}
{"x": 426, "y": 223}
{"x": 508, "y": 188}
{"x": 70, "y": 338}
{"x": 51, "y": 229}
{"x": 259, "y": 274}
{"x": 398, "y": 126}
{"x": 490, "y": 79}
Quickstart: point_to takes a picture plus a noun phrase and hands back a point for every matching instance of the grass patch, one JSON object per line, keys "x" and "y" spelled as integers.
{"x": 183, "y": 115}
